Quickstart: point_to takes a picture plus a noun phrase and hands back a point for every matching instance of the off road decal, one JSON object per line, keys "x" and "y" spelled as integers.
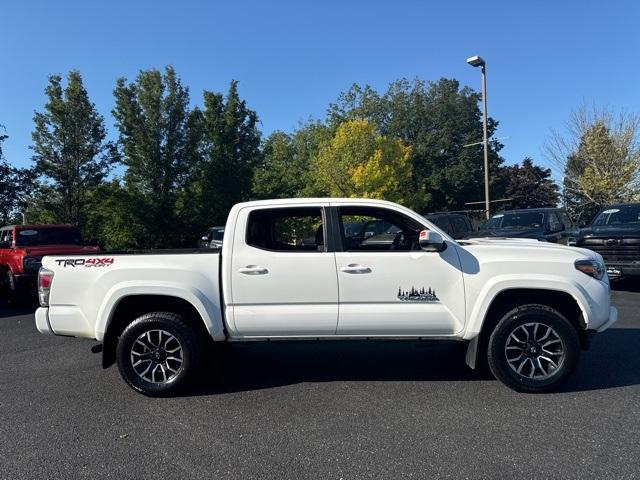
{"x": 85, "y": 262}
{"x": 418, "y": 295}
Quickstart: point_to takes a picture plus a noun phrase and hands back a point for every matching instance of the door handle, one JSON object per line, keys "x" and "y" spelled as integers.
{"x": 253, "y": 270}
{"x": 355, "y": 268}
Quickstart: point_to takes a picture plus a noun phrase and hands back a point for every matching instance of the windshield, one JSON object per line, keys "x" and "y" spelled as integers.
{"x": 515, "y": 220}
{"x": 30, "y": 237}
{"x": 619, "y": 215}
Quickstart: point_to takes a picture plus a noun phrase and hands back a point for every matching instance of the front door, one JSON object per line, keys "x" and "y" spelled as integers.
{"x": 388, "y": 286}
{"x": 283, "y": 279}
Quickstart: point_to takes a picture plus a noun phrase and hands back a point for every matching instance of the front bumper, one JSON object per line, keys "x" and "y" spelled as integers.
{"x": 613, "y": 318}
{"x": 42, "y": 321}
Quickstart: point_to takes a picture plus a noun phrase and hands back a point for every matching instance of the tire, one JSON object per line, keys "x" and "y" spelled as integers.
{"x": 158, "y": 354}
{"x": 533, "y": 349}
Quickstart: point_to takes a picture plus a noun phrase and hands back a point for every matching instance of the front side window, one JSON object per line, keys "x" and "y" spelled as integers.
{"x": 298, "y": 229}
{"x": 377, "y": 229}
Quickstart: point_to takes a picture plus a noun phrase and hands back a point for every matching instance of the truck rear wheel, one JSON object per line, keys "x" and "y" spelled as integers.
{"x": 158, "y": 353}
{"x": 534, "y": 348}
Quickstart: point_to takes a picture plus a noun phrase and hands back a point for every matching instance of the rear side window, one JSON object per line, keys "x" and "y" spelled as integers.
{"x": 554, "y": 223}
{"x": 564, "y": 218}
{"x": 298, "y": 229}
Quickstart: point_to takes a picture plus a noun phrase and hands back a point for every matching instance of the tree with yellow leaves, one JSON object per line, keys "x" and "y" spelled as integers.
{"x": 359, "y": 162}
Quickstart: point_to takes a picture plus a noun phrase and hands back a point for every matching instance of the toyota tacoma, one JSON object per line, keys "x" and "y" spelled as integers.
{"x": 290, "y": 270}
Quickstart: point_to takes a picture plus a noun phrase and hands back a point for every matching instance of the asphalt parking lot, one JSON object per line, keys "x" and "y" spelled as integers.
{"x": 303, "y": 410}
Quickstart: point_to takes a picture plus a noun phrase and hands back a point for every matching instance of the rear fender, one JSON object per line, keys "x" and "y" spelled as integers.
{"x": 208, "y": 309}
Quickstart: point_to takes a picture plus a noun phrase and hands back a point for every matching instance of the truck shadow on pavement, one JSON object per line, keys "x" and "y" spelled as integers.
{"x": 612, "y": 361}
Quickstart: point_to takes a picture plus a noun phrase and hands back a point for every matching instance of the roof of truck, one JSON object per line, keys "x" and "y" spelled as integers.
{"x": 293, "y": 201}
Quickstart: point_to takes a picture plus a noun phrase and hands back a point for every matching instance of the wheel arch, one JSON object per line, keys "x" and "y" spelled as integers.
{"x": 127, "y": 308}
{"x": 507, "y": 299}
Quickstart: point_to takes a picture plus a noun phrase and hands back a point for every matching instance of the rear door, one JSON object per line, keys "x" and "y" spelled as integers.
{"x": 392, "y": 288}
{"x": 283, "y": 278}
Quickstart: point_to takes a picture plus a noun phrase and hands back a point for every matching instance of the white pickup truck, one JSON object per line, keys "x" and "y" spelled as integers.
{"x": 328, "y": 269}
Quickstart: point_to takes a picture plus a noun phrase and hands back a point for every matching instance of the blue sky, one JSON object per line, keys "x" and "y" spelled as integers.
{"x": 292, "y": 58}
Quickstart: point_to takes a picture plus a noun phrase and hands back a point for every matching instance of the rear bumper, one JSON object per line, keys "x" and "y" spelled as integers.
{"x": 42, "y": 321}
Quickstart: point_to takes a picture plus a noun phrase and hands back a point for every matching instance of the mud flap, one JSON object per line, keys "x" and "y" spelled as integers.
{"x": 472, "y": 352}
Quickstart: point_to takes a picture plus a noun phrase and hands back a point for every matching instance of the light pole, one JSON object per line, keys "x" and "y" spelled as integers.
{"x": 478, "y": 61}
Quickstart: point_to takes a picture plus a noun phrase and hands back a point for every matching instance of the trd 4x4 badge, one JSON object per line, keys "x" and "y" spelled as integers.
{"x": 85, "y": 262}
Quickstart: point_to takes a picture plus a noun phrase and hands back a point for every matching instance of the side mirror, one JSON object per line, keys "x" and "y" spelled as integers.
{"x": 5, "y": 244}
{"x": 431, "y": 241}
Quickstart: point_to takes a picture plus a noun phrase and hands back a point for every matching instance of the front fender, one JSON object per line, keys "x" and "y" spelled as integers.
{"x": 209, "y": 309}
{"x": 492, "y": 288}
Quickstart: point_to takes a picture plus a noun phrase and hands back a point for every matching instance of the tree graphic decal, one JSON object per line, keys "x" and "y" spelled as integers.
{"x": 417, "y": 295}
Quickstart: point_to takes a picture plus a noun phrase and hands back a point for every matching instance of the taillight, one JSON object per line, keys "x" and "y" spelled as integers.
{"x": 45, "y": 278}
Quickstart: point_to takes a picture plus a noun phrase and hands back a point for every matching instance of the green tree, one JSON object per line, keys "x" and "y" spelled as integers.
{"x": 285, "y": 170}
{"x": 70, "y": 151}
{"x": 153, "y": 118}
{"x": 529, "y": 186}
{"x": 358, "y": 162}
{"x": 600, "y": 158}
{"x": 437, "y": 120}
{"x": 16, "y": 184}
{"x": 229, "y": 146}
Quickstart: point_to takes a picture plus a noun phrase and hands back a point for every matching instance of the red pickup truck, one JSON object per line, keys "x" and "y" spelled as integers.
{"x": 22, "y": 248}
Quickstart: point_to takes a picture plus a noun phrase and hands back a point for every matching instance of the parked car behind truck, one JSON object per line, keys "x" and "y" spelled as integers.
{"x": 457, "y": 224}
{"x": 615, "y": 234}
{"x": 22, "y": 248}
{"x": 212, "y": 238}
{"x": 545, "y": 224}
{"x": 524, "y": 307}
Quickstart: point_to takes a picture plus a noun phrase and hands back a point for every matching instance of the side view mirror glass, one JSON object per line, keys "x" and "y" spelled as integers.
{"x": 431, "y": 241}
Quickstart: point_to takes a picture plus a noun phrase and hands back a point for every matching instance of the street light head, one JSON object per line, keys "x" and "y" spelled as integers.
{"x": 476, "y": 61}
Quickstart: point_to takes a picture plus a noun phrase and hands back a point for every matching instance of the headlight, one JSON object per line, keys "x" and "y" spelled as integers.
{"x": 572, "y": 241}
{"x": 593, "y": 268}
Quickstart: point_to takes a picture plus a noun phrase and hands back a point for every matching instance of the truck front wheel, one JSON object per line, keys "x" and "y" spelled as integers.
{"x": 158, "y": 353}
{"x": 533, "y": 348}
